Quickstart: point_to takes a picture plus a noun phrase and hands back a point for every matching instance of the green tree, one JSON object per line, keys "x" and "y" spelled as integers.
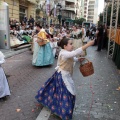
{"x": 79, "y": 21}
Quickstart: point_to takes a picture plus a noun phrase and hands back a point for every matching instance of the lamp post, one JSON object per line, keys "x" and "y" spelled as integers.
{"x": 59, "y": 6}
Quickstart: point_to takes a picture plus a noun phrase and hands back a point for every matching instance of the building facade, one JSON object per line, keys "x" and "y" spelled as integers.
{"x": 92, "y": 11}
{"x": 20, "y": 8}
{"x": 64, "y": 11}
{"x": 86, "y": 3}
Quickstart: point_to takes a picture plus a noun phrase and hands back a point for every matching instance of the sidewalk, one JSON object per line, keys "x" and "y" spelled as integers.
{"x": 11, "y": 52}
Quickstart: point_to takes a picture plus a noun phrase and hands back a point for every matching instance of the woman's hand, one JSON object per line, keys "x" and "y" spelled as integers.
{"x": 81, "y": 59}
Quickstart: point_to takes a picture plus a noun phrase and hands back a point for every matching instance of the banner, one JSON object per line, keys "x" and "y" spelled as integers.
{"x": 48, "y": 7}
{"x": 55, "y": 10}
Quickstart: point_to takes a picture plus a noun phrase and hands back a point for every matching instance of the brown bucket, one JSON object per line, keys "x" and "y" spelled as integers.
{"x": 87, "y": 68}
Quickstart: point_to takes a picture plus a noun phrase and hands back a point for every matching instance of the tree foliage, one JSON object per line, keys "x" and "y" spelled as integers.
{"x": 79, "y": 21}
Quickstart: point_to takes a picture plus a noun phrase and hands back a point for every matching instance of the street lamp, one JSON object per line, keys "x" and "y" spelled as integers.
{"x": 59, "y": 6}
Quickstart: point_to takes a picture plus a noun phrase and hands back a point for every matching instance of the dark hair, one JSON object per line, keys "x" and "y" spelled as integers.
{"x": 75, "y": 26}
{"x": 38, "y": 25}
{"x": 63, "y": 42}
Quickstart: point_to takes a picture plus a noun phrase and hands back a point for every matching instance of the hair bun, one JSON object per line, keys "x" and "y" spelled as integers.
{"x": 59, "y": 43}
{"x": 62, "y": 42}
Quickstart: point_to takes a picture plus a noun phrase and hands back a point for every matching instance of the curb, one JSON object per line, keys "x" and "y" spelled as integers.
{"x": 12, "y": 53}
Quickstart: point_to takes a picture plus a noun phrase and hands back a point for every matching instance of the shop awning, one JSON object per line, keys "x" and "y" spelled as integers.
{"x": 68, "y": 20}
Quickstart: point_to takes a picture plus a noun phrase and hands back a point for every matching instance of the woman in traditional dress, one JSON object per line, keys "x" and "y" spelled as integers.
{"x": 43, "y": 54}
{"x": 77, "y": 39}
{"x": 4, "y": 88}
{"x": 58, "y": 92}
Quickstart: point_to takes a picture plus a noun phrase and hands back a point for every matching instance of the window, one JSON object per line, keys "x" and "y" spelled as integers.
{"x": 90, "y": 17}
{"x": 91, "y": 10}
{"x": 22, "y": 13}
{"x": 92, "y": 2}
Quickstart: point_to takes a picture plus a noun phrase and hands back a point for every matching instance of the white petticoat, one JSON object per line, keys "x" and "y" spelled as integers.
{"x": 4, "y": 88}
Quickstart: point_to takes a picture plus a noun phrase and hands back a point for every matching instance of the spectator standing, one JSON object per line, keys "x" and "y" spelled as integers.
{"x": 99, "y": 37}
{"x": 31, "y": 20}
{"x": 104, "y": 42}
{"x": 25, "y": 19}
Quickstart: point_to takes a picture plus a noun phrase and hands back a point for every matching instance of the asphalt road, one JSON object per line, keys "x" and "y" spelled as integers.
{"x": 97, "y": 97}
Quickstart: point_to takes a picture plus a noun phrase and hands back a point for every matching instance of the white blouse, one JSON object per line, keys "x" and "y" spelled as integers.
{"x": 67, "y": 78}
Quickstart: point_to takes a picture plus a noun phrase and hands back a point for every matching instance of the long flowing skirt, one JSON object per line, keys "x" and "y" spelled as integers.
{"x": 4, "y": 88}
{"x": 42, "y": 55}
{"x": 56, "y": 97}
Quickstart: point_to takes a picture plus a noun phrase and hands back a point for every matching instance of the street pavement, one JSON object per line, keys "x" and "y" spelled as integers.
{"x": 97, "y": 95}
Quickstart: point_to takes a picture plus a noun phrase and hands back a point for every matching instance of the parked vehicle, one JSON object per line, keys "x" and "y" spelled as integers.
{"x": 88, "y": 24}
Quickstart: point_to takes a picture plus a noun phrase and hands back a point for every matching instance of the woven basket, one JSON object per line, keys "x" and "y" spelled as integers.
{"x": 87, "y": 68}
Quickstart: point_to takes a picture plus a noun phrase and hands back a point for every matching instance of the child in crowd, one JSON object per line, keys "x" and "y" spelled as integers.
{"x": 58, "y": 92}
{"x": 4, "y": 88}
{"x": 53, "y": 44}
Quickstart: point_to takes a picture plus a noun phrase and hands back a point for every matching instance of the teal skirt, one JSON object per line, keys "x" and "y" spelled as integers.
{"x": 43, "y": 55}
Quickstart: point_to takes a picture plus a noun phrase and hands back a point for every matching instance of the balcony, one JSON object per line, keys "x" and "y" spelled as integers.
{"x": 92, "y": 10}
{"x": 70, "y": 7}
{"x": 108, "y": 0}
{"x": 92, "y": 2}
{"x": 73, "y": 1}
{"x": 32, "y": 1}
{"x": 90, "y": 19}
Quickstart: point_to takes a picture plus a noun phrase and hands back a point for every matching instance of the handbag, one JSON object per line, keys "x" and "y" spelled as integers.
{"x": 87, "y": 68}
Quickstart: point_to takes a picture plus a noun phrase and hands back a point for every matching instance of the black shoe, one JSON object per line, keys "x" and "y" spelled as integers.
{"x": 3, "y": 98}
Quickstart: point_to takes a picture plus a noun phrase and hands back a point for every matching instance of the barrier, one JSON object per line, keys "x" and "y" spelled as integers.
{"x": 117, "y": 38}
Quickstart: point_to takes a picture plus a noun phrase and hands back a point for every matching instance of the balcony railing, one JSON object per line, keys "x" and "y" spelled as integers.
{"x": 70, "y": 1}
{"x": 70, "y": 7}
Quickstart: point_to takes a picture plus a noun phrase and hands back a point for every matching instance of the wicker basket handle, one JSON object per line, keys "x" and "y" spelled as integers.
{"x": 82, "y": 61}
